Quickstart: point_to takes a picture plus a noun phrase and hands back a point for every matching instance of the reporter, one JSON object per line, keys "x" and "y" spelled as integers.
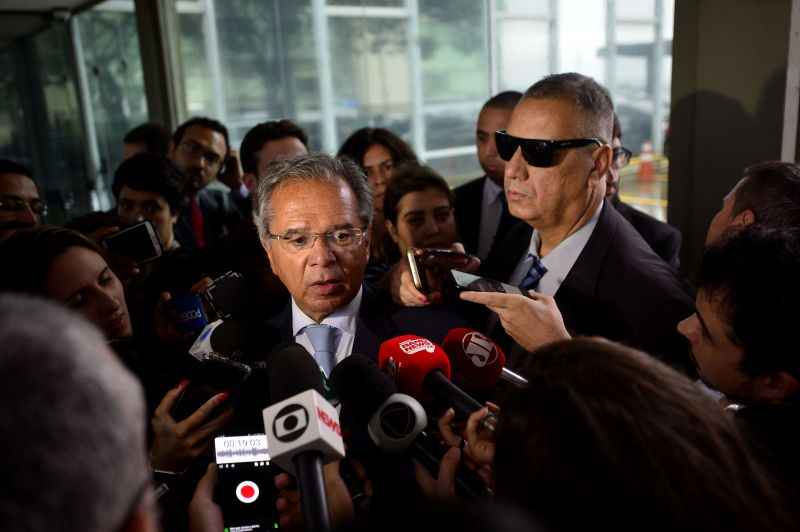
{"x": 418, "y": 209}
{"x": 65, "y": 266}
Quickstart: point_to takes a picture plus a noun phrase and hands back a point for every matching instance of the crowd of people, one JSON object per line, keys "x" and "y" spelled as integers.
{"x": 648, "y": 400}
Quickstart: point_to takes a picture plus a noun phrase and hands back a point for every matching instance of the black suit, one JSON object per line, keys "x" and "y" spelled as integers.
{"x": 664, "y": 239}
{"x": 378, "y": 320}
{"x": 468, "y": 210}
{"x": 618, "y": 288}
{"x": 220, "y": 218}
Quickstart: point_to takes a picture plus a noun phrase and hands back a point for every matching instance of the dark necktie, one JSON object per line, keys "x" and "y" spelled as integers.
{"x": 534, "y": 275}
{"x": 198, "y": 223}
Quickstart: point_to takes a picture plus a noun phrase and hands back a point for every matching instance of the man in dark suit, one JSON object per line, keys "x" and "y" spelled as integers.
{"x": 577, "y": 254}
{"x": 481, "y": 210}
{"x": 664, "y": 239}
{"x": 321, "y": 255}
{"x": 199, "y": 149}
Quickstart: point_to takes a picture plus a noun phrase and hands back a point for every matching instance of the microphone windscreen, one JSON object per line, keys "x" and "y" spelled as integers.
{"x": 228, "y": 338}
{"x": 292, "y": 370}
{"x": 361, "y": 387}
{"x": 409, "y": 359}
{"x": 476, "y": 358}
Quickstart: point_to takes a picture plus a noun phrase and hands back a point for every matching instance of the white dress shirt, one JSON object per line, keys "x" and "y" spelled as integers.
{"x": 491, "y": 212}
{"x": 343, "y": 319}
{"x": 559, "y": 261}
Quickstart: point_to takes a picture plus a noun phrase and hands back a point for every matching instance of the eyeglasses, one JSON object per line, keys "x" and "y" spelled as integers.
{"x": 301, "y": 241}
{"x": 622, "y": 156}
{"x": 16, "y": 204}
{"x": 539, "y": 153}
{"x": 194, "y": 149}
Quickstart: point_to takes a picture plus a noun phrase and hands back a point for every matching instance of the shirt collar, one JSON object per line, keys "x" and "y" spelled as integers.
{"x": 343, "y": 318}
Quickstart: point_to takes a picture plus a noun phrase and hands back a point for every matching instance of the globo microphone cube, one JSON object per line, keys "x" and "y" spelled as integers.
{"x": 303, "y": 422}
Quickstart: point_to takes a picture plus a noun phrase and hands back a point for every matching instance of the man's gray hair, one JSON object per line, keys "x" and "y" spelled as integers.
{"x": 317, "y": 167}
{"x": 72, "y": 421}
{"x": 588, "y": 96}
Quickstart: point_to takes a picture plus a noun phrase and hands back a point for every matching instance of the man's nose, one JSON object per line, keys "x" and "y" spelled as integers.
{"x": 516, "y": 167}
{"x": 321, "y": 252}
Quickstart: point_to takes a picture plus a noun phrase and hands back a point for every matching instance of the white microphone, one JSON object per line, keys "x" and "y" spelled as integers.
{"x": 304, "y": 424}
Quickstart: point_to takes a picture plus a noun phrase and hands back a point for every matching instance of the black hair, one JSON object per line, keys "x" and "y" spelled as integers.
{"x": 411, "y": 177}
{"x": 752, "y": 276}
{"x": 93, "y": 221}
{"x": 33, "y": 251}
{"x": 636, "y": 442}
{"x": 357, "y": 144}
{"x": 208, "y": 123}
{"x": 771, "y": 190}
{"x": 585, "y": 93}
{"x": 7, "y": 166}
{"x": 155, "y": 137}
{"x": 259, "y": 135}
{"x": 152, "y": 173}
{"x": 503, "y": 100}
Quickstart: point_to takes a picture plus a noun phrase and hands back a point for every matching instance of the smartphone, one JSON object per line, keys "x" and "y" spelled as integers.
{"x": 466, "y": 281}
{"x": 444, "y": 259}
{"x": 245, "y": 490}
{"x": 139, "y": 243}
{"x": 417, "y": 273}
{"x": 215, "y": 374}
{"x": 226, "y": 295}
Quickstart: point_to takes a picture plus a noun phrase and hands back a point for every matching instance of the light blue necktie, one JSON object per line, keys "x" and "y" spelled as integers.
{"x": 323, "y": 339}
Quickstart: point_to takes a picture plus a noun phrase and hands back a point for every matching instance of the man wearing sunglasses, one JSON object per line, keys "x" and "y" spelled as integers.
{"x": 663, "y": 238}
{"x": 575, "y": 251}
{"x": 200, "y": 149}
{"x": 20, "y": 205}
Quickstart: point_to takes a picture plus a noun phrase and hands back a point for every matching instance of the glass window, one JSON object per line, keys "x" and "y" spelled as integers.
{"x": 113, "y": 66}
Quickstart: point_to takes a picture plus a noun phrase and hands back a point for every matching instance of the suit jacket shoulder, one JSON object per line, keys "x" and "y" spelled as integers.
{"x": 620, "y": 289}
{"x": 664, "y": 239}
{"x": 468, "y": 202}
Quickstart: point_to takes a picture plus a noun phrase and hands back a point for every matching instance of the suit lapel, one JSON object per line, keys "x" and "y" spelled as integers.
{"x": 373, "y": 325}
{"x": 583, "y": 279}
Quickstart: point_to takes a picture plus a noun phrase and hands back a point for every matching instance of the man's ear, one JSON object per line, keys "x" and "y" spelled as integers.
{"x": 776, "y": 387}
{"x": 743, "y": 219}
{"x": 602, "y": 156}
{"x": 392, "y": 230}
{"x": 249, "y": 181}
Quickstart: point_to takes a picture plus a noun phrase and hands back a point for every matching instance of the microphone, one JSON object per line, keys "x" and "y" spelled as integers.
{"x": 302, "y": 428}
{"x": 394, "y": 422}
{"x": 219, "y": 337}
{"x": 479, "y": 360}
{"x": 421, "y": 369}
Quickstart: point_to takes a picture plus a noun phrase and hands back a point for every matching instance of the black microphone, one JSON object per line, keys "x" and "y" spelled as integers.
{"x": 302, "y": 428}
{"x": 395, "y": 422}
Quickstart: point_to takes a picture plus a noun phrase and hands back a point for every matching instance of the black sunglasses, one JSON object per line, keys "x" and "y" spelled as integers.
{"x": 540, "y": 153}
